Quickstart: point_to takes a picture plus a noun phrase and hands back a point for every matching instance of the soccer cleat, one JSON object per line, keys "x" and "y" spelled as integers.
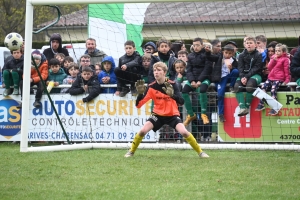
{"x": 128, "y": 154}
{"x": 260, "y": 107}
{"x": 243, "y": 112}
{"x": 124, "y": 92}
{"x": 16, "y": 91}
{"x": 222, "y": 118}
{"x": 273, "y": 112}
{"x": 189, "y": 119}
{"x": 7, "y": 92}
{"x": 204, "y": 118}
{"x": 203, "y": 155}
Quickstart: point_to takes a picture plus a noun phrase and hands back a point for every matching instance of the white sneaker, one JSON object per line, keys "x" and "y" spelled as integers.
{"x": 128, "y": 154}
{"x": 203, "y": 155}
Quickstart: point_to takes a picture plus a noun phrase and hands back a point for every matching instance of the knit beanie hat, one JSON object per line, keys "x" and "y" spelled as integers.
{"x": 150, "y": 44}
{"x": 36, "y": 54}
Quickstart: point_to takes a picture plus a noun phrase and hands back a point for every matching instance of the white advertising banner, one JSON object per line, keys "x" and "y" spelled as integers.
{"x": 106, "y": 118}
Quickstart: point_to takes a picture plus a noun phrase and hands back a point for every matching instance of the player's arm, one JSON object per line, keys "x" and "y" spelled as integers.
{"x": 143, "y": 98}
{"x": 177, "y": 95}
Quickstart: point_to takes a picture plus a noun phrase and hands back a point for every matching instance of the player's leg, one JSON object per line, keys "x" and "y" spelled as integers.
{"x": 188, "y": 104}
{"x": 203, "y": 100}
{"x": 251, "y": 85}
{"x": 153, "y": 123}
{"x": 221, "y": 87}
{"x": 238, "y": 88}
{"x": 190, "y": 139}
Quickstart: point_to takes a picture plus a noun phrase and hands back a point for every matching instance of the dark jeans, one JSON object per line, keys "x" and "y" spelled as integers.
{"x": 39, "y": 89}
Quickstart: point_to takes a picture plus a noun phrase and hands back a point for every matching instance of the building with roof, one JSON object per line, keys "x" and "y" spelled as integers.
{"x": 209, "y": 20}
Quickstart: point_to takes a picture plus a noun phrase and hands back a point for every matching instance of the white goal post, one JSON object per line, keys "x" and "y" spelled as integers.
{"x": 26, "y": 95}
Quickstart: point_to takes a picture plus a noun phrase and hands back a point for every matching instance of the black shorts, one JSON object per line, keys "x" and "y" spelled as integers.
{"x": 159, "y": 121}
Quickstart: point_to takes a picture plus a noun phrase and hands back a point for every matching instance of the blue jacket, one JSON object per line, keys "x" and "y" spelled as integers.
{"x": 110, "y": 73}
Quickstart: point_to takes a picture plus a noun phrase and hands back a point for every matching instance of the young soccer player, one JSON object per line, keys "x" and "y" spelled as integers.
{"x": 250, "y": 71}
{"x": 166, "y": 96}
{"x": 107, "y": 75}
{"x": 56, "y": 74}
{"x": 128, "y": 71}
{"x": 279, "y": 68}
{"x": 73, "y": 70}
{"x": 86, "y": 83}
{"x": 225, "y": 71}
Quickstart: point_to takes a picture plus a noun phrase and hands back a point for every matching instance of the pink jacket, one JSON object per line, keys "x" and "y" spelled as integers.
{"x": 279, "y": 69}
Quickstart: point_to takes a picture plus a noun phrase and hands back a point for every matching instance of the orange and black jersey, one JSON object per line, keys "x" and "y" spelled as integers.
{"x": 164, "y": 105}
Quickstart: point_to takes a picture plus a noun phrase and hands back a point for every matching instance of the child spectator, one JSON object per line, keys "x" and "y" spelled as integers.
{"x": 225, "y": 71}
{"x": 180, "y": 67}
{"x": 149, "y": 48}
{"x": 86, "y": 82}
{"x": 85, "y": 61}
{"x": 73, "y": 70}
{"x": 128, "y": 71}
{"x": 250, "y": 71}
{"x": 279, "y": 73}
{"x": 198, "y": 75}
{"x": 61, "y": 58}
{"x": 12, "y": 73}
{"x": 234, "y": 45}
{"x": 42, "y": 65}
{"x": 98, "y": 68}
{"x": 107, "y": 75}
{"x": 67, "y": 61}
{"x": 164, "y": 55}
{"x": 183, "y": 55}
{"x": 146, "y": 60}
{"x": 56, "y": 74}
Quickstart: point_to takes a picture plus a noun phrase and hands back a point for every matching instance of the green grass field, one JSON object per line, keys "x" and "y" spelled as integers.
{"x": 150, "y": 174}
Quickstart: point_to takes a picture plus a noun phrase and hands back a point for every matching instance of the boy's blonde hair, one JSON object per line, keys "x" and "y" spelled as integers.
{"x": 251, "y": 38}
{"x": 146, "y": 57}
{"x": 283, "y": 47}
{"x": 162, "y": 65}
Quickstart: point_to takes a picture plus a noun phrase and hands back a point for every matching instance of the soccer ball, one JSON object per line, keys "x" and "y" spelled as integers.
{"x": 13, "y": 41}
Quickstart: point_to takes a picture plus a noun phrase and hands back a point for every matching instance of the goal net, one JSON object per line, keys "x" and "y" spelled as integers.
{"x": 111, "y": 121}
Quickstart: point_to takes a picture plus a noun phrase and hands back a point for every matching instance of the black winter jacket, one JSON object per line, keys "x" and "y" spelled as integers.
{"x": 250, "y": 64}
{"x": 15, "y": 65}
{"x": 93, "y": 89}
{"x": 49, "y": 51}
{"x": 171, "y": 69}
{"x": 295, "y": 65}
{"x": 132, "y": 62}
{"x": 198, "y": 67}
{"x": 217, "y": 69}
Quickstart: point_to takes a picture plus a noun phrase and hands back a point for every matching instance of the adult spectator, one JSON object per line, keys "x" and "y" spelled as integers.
{"x": 216, "y": 47}
{"x": 55, "y": 47}
{"x": 91, "y": 50}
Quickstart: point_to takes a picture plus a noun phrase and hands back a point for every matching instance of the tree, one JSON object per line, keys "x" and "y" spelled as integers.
{"x": 13, "y": 14}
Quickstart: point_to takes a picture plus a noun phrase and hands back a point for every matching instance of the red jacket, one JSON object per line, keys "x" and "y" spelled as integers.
{"x": 279, "y": 69}
{"x": 43, "y": 68}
